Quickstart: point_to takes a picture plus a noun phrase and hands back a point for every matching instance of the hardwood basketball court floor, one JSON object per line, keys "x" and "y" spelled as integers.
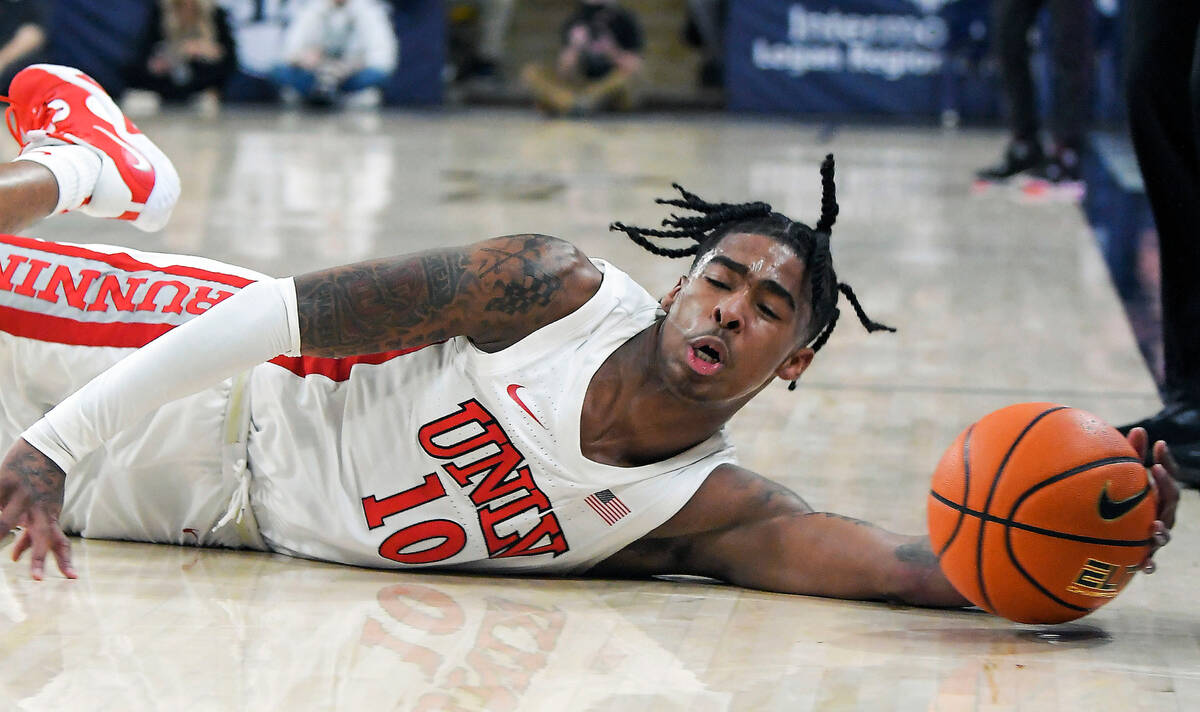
{"x": 997, "y": 301}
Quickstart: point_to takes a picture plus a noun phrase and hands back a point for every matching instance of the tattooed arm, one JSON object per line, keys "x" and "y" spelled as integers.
{"x": 745, "y": 529}
{"x": 494, "y": 292}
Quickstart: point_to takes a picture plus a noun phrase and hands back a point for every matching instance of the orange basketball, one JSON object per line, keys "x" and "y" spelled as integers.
{"x": 1040, "y": 513}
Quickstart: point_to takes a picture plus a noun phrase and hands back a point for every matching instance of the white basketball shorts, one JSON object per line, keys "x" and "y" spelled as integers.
{"x": 68, "y": 312}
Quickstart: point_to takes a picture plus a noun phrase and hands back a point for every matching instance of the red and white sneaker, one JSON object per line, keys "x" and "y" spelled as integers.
{"x": 52, "y": 105}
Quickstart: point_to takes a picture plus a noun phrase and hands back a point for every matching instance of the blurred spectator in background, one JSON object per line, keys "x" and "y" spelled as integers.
{"x": 706, "y": 31}
{"x": 258, "y": 28}
{"x": 1070, "y": 22}
{"x": 188, "y": 53}
{"x": 337, "y": 50}
{"x": 1162, "y": 89}
{"x": 600, "y": 58}
{"x": 22, "y": 37}
{"x": 478, "y": 29}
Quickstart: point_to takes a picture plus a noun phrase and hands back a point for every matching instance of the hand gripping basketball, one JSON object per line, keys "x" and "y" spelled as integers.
{"x": 1042, "y": 513}
{"x": 31, "y": 497}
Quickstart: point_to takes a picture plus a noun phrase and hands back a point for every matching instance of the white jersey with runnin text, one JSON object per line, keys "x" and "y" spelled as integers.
{"x": 439, "y": 456}
{"x": 449, "y": 456}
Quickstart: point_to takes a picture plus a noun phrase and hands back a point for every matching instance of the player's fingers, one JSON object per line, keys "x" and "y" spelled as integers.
{"x": 42, "y": 528}
{"x": 37, "y": 556}
{"x": 23, "y": 542}
{"x": 1139, "y": 440}
{"x": 1163, "y": 454}
{"x": 1168, "y": 494}
{"x": 1161, "y": 536}
{"x": 61, "y": 546}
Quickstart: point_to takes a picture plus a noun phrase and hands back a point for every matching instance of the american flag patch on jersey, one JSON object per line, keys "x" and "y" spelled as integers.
{"x": 607, "y": 505}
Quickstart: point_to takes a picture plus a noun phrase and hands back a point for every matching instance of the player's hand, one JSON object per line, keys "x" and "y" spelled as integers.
{"x": 1162, "y": 478}
{"x": 31, "y": 496}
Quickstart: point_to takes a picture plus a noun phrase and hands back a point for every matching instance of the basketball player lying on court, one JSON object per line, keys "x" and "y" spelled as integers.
{"x": 507, "y": 407}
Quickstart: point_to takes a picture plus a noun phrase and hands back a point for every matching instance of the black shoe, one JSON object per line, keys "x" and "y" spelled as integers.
{"x": 477, "y": 68}
{"x": 1187, "y": 455}
{"x": 1178, "y": 421}
{"x": 1019, "y": 157}
{"x": 1061, "y": 168}
{"x": 1177, "y": 424}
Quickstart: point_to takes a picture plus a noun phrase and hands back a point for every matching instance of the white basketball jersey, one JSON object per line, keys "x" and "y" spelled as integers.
{"x": 449, "y": 456}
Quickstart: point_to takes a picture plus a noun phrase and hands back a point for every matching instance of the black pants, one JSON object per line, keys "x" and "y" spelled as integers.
{"x": 204, "y": 75}
{"x": 37, "y": 56}
{"x": 1162, "y": 88}
{"x": 1071, "y": 40}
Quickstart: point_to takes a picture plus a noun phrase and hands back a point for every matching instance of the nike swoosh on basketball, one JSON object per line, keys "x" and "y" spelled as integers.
{"x": 1115, "y": 509}
{"x": 512, "y": 393}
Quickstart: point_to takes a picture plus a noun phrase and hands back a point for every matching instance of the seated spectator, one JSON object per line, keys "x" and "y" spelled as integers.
{"x": 258, "y": 29}
{"x": 706, "y": 31}
{"x": 188, "y": 54}
{"x": 600, "y": 58}
{"x": 476, "y": 38}
{"x": 22, "y": 37}
{"x": 337, "y": 50}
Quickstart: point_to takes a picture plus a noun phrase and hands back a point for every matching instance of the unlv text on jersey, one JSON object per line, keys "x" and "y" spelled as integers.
{"x": 499, "y": 484}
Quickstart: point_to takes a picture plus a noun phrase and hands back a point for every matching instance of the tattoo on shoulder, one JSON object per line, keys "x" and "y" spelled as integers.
{"x": 917, "y": 552}
{"x": 373, "y": 306}
{"x": 420, "y": 299}
{"x": 535, "y": 286}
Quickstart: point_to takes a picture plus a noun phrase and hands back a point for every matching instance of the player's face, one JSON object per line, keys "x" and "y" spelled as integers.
{"x": 736, "y": 320}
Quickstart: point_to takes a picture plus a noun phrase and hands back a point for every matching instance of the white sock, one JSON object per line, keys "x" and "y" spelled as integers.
{"x": 76, "y": 168}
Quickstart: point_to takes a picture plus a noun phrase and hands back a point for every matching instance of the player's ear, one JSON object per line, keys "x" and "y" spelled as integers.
{"x": 669, "y": 300}
{"x": 795, "y": 364}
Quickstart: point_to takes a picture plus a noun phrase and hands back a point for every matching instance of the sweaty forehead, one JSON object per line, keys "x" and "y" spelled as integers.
{"x": 764, "y": 257}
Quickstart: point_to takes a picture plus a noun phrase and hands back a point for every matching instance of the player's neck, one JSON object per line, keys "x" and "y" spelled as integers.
{"x": 631, "y": 417}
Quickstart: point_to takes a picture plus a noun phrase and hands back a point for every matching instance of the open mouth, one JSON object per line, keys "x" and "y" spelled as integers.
{"x": 706, "y": 356}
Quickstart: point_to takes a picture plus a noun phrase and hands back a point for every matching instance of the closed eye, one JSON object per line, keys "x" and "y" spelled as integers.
{"x": 716, "y": 283}
{"x": 767, "y": 311}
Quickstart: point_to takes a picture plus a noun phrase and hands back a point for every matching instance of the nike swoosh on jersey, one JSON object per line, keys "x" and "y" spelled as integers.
{"x": 1111, "y": 509}
{"x": 512, "y": 393}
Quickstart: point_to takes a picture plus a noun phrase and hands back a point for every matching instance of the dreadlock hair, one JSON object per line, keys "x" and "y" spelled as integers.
{"x": 811, "y": 245}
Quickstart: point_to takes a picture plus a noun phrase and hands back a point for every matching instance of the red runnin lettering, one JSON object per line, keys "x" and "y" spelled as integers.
{"x": 73, "y": 294}
{"x": 58, "y": 283}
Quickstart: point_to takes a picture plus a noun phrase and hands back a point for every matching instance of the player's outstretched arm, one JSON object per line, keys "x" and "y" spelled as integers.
{"x": 742, "y": 528}
{"x": 747, "y": 530}
{"x": 494, "y": 292}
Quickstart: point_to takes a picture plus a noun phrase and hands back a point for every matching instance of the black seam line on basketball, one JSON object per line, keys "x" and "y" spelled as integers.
{"x": 1008, "y": 545}
{"x": 1070, "y": 473}
{"x": 987, "y": 504}
{"x": 1038, "y": 530}
{"x": 1012, "y": 557}
{"x": 966, "y": 456}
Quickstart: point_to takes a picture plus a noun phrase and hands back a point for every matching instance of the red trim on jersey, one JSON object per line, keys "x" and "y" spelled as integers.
{"x": 124, "y": 261}
{"x": 61, "y": 330}
{"x": 337, "y": 369}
